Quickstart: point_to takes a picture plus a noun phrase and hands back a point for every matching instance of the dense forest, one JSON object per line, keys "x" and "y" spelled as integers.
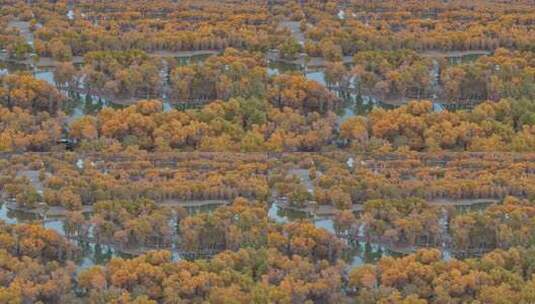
{"x": 232, "y": 151}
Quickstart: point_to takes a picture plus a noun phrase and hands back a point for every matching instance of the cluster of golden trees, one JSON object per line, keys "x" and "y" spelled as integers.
{"x": 393, "y": 73}
{"x": 414, "y": 222}
{"x": 247, "y": 125}
{"x": 118, "y": 186}
{"x": 243, "y": 225}
{"x": 501, "y": 276}
{"x": 20, "y": 130}
{"x": 164, "y": 26}
{"x": 36, "y": 264}
{"x": 26, "y": 92}
{"x": 232, "y": 74}
{"x": 297, "y": 92}
{"x": 505, "y": 74}
{"x": 296, "y": 116}
{"x": 215, "y": 25}
{"x": 245, "y": 276}
{"x": 433, "y": 177}
{"x": 500, "y": 226}
{"x": 408, "y": 222}
{"x": 506, "y": 125}
{"x": 265, "y": 262}
{"x": 30, "y": 117}
{"x": 291, "y": 261}
{"x": 128, "y": 187}
{"x": 227, "y": 228}
{"x": 130, "y": 224}
{"x": 324, "y": 178}
{"x": 122, "y": 74}
{"x": 12, "y": 41}
{"x": 435, "y": 25}
{"x": 192, "y": 177}
{"x": 400, "y": 74}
